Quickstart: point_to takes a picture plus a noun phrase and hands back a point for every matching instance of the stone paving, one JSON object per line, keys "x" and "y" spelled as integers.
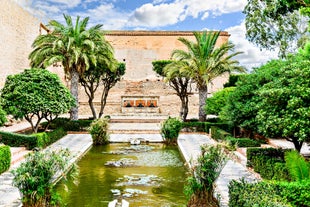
{"x": 190, "y": 146}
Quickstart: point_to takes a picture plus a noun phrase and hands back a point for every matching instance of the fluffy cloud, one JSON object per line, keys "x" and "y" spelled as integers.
{"x": 163, "y": 14}
{"x": 67, "y": 3}
{"x": 252, "y": 56}
{"x": 156, "y": 15}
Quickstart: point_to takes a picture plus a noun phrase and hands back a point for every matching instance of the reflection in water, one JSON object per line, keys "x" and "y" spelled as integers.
{"x": 145, "y": 175}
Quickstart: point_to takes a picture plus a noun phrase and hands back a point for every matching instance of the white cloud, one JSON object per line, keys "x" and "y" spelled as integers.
{"x": 252, "y": 56}
{"x": 163, "y": 14}
{"x": 68, "y": 3}
{"x": 156, "y": 15}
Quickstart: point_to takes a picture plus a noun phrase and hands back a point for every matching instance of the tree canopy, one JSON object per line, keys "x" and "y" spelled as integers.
{"x": 73, "y": 45}
{"x": 275, "y": 25}
{"x": 35, "y": 94}
{"x": 202, "y": 61}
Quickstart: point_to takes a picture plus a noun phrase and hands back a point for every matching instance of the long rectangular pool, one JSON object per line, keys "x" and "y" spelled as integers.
{"x": 150, "y": 175}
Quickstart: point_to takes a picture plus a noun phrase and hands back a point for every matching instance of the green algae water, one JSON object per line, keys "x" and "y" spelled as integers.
{"x": 150, "y": 175}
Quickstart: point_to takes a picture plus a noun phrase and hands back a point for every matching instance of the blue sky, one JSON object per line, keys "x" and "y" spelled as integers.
{"x": 180, "y": 15}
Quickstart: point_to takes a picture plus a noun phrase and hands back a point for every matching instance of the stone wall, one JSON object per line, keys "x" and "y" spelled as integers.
{"x": 138, "y": 49}
{"x": 18, "y": 29}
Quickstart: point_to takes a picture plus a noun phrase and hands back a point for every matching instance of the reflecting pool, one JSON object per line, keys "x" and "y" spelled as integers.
{"x": 150, "y": 175}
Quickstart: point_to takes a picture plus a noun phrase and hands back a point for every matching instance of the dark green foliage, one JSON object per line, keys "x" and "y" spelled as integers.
{"x": 159, "y": 65}
{"x": 56, "y": 134}
{"x": 205, "y": 126}
{"x": 218, "y": 100}
{"x": 2, "y": 116}
{"x": 170, "y": 130}
{"x": 99, "y": 131}
{"x": 69, "y": 125}
{"x": 5, "y": 158}
{"x": 269, "y": 194}
{"x": 269, "y": 162}
{"x": 262, "y": 194}
{"x": 285, "y": 103}
{"x": 242, "y": 142}
{"x": 42, "y": 139}
{"x": 218, "y": 134}
{"x": 35, "y": 94}
{"x": 296, "y": 193}
{"x": 233, "y": 79}
{"x": 33, "y": 177}
{"x": 18, "y": 140}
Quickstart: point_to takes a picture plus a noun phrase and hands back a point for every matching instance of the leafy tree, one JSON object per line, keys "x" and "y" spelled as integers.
{"x": 35, "y": 94}
{"x": 273, "y": 25}
{"x": 100, "y": 75}
{"x": 284, "y": 109}
{"x": 203, "y": 62}
{"x": 177, "y": 80}
{"x": 218, "y": 101}
{"x": 241, "y": 108}
{"x": 75, "y": 46}
{"x": 3, "y": 118}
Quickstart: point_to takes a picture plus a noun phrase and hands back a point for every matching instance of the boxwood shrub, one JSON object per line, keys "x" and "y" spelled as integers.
{"x": 69, "y": 125}
{"x": 218, "y": 134}
{"x": 5, "y": 158}
{"x": 262, "y": 194}
{"x": 275, "y": 194}
{"x": 242, "y": 142}
{"x": 18, "y": 140}
{"x": 268, "y": 162}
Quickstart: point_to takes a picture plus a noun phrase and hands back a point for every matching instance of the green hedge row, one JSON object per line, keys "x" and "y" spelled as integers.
{"x": 242, "y": 142}
{"x": 17, "y": 140}
{"x": 69, "y": 125}
{"x": 268, "y": 162}
{"x": 205, "y": 126}
{"x": 40, "y": 140}
{"x": 218, "y": 134}
{"x": 5, "y": 158}
{"x": 275, "y": 194}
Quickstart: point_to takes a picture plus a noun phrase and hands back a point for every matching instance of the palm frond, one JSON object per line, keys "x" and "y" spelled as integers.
{"x": 297, "y": 166}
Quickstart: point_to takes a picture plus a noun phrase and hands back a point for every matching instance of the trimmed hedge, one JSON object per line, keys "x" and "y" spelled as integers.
{"x": 218, "y": 134}
{"x": 242, "y": 142}
{"x": 275, "y": 194}
{"x": 205, "y": 126}
{"x": 40, "y": 140}
{"x": 69, "y": 125}
{"x": 268, "y": 162}
{"x": 5, "y": 158}
{"x": 18, "y": 140}
{"x": 262, "y": 194}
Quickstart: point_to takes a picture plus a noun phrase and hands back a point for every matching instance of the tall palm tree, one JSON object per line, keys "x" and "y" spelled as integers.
{"x": 75, "y": 46}
{"x": 206, "y": 62}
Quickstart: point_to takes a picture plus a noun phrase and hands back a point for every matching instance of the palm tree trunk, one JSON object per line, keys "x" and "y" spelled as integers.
{"x": 203, "y": 93}
{"x": 184, "y": 108}
{"x": 74, "y": 113}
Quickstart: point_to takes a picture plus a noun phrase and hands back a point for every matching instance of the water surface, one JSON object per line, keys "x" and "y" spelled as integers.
{"x": 145, "y": 175}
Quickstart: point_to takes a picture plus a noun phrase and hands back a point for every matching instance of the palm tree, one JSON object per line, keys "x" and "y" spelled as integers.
{"x": 75, "y": 46}
{"x": 206, "y": 62}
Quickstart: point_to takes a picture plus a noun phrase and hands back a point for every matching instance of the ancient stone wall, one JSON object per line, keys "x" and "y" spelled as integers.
{"x": 18, "y": 29}
{"x": 137, "y": 49}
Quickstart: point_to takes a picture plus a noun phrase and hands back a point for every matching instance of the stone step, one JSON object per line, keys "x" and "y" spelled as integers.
{"x": 17, "y": 155}
{"x": 122, "y": 131}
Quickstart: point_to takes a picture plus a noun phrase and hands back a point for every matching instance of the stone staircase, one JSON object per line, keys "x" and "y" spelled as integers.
{"x": 17, "y": 155}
